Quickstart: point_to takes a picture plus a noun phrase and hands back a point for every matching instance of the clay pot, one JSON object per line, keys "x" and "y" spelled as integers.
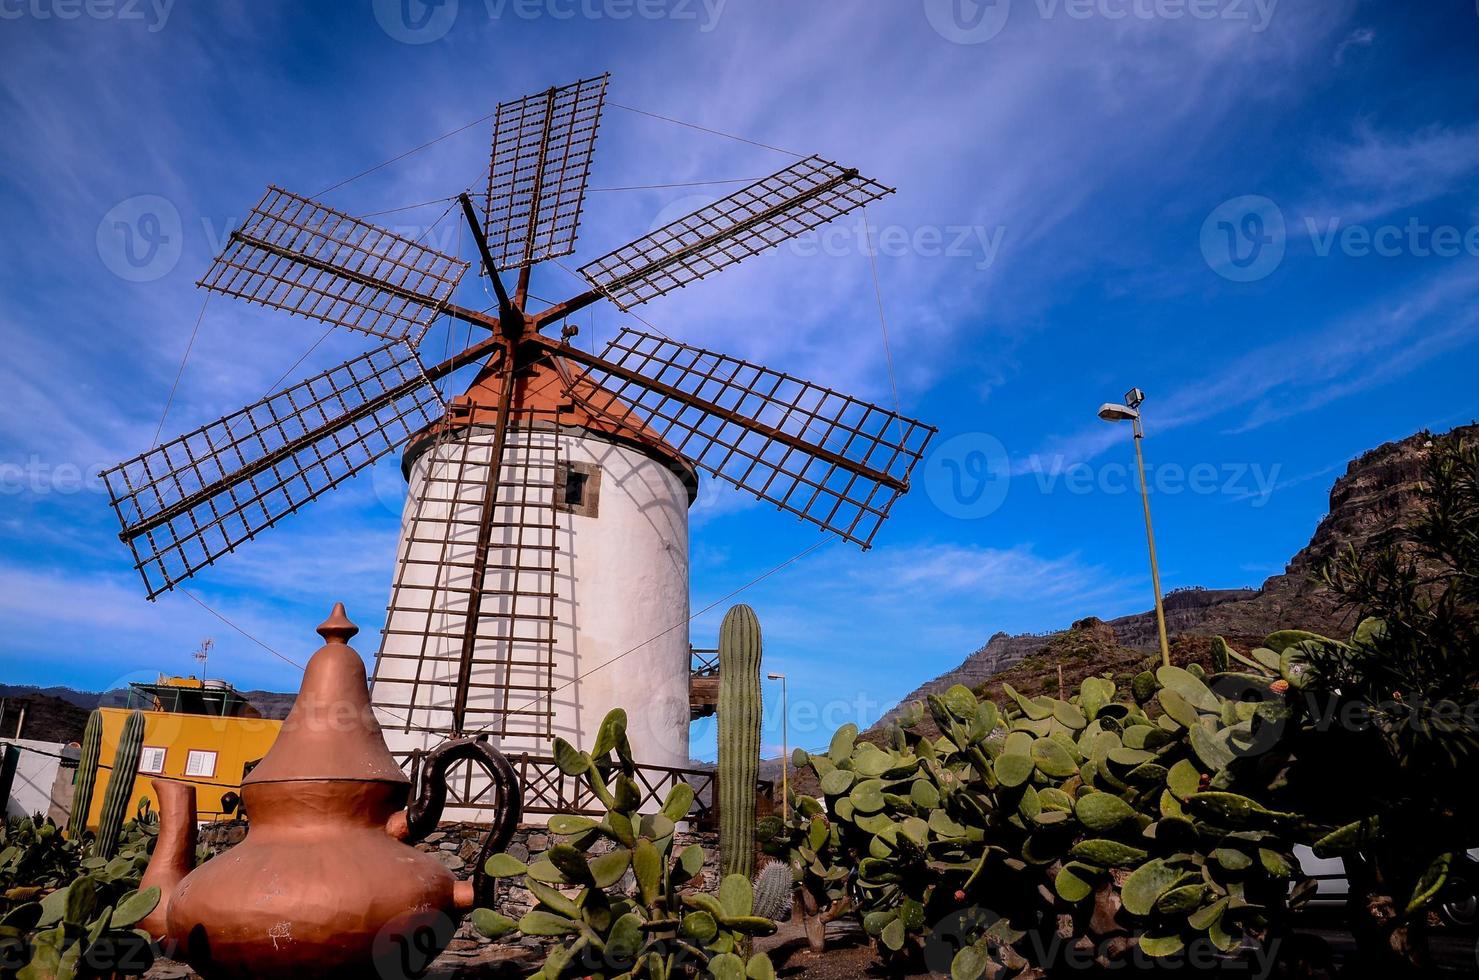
{"x": 174, "y": 850}
{"x": 323, "y": 885}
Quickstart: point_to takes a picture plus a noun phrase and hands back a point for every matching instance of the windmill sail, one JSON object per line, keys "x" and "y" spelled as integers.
{"x": 295, "y": 254}
{"x": 826, "y": 457}
{"x": 527, "y": 602}
{"x": 803, "y": 196}
{"x": 831, "y": 459}
{"x": 187, "y": 502}
{"x": 541, "y": 160}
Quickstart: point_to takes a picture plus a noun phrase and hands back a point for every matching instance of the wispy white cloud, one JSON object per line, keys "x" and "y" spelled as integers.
{"x": 1048, "y": 122}
{"x": 718, "y": 500}
{"x": 1283, "y": 484}
{"x": 1362, "y": 37}
{"x": 92, "y": 631}
{"x": 1307, "y": 369}
{"x": 1379, "y": 171}
{"x": 856, "y": 632}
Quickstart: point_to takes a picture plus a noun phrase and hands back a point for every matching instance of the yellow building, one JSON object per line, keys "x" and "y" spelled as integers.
{"x": 201, "y": 732}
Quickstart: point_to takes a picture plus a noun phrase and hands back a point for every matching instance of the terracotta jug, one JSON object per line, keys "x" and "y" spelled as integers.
{"x": 325, "y": 883}
{"x": 174, "y": 849}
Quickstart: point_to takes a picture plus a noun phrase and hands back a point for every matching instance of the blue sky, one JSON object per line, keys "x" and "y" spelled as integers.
{"x": 1263, "y": 214}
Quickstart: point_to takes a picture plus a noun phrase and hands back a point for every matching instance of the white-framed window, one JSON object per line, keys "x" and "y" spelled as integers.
{"x": 151, "y": 760}
{"x": 200, "y": 762}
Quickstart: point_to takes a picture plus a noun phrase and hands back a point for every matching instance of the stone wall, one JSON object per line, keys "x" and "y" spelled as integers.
{"x": 222, "y": 835}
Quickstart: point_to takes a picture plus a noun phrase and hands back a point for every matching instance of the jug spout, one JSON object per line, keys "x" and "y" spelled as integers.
{"x": 174, "y": 851}
{"x": 465, "y": 896}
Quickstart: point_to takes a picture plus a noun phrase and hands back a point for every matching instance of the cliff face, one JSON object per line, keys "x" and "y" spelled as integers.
{"x": 1370, "y": 503}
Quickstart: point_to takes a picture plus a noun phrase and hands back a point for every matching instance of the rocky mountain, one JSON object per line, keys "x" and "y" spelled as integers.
{"x": 41, "y": 715}
{"x": 272, "y": 704}
{"x": 81, "y": 699}
{"x": 1370, "y": 503}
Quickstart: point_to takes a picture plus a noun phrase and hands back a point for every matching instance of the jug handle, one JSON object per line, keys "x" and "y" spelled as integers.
{"x": 430, "y": 799}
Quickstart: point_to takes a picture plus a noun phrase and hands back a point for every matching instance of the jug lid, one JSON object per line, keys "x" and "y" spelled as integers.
{"x": 331, "y": 733}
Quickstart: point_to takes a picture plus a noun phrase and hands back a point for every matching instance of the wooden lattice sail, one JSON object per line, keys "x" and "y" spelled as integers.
{"x": 542, "y": 573}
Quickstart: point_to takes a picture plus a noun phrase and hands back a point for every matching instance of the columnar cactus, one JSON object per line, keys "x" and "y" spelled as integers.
{"x": 120, "y": 784}
{"x": 739, "y": 738}
{"x": 773, "y": 886}
{"x": 87, "y": 775}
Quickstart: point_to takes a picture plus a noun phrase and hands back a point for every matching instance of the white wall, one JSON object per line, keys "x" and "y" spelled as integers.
{"x": 621, "y": 607}
{"x": 35, "y": 773}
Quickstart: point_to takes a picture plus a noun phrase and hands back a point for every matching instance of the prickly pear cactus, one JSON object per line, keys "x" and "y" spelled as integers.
{"x": 664, "y": 927}
{"x": 739, "y": 738}
{"x": 91, "y": 920}
{"x": 1116, "y": 815}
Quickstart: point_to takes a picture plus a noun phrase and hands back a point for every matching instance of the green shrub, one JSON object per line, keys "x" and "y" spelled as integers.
{"x": 35, "y": 857}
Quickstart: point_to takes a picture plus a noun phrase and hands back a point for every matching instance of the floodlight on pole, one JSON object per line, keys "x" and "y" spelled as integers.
{"x": 1130, "y": 412}
{"x": 1110, "y": 412}
{"x": 785, "y": 750}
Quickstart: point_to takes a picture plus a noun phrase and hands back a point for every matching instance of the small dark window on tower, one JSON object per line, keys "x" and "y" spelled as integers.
{"x": 574, "y": 487}
{"x": 578, "y": 488}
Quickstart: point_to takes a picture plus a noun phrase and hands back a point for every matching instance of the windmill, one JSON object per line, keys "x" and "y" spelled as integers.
{"x": 545, "y": 534}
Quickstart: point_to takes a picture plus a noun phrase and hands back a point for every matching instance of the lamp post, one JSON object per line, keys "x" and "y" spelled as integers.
{"x": 1130, "y": 412}
{"x": 785, "y": 750}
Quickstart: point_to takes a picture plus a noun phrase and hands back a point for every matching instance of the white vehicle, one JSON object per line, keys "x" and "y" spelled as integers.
{"x": 1457, "y": 907}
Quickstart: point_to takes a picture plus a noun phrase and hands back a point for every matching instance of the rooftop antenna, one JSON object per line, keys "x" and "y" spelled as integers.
{"x": 203, "y": 654}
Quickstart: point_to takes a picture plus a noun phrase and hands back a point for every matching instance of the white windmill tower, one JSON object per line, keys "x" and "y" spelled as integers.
{"x": 586, "y": 560}
{"x": 542, "y": 572}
